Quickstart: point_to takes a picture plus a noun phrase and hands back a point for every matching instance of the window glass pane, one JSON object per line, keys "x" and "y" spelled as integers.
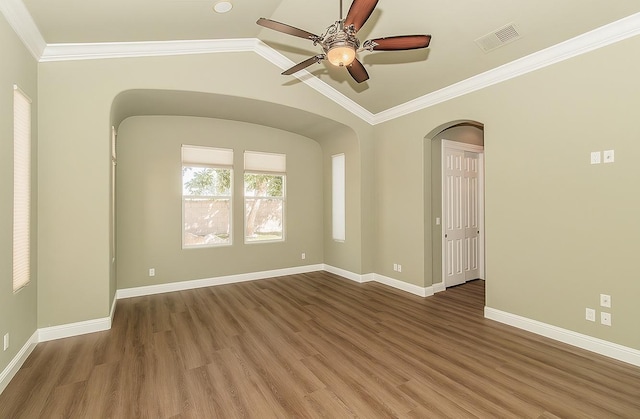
{"x": 264, "y": 207}
{"x": 206, "y": 206}
{"x": 205, "y": 181}
{"x": 264, "y": 219}
{"x": 206, "y": 221}
{"x": 263, "y": 185}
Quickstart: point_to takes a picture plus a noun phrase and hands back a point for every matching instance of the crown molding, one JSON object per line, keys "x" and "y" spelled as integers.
{"x": 105, "y": 50}
{"x": 21, "y": 21}
{"x": 24, "y": 26}
{"x": 606, "y": 35}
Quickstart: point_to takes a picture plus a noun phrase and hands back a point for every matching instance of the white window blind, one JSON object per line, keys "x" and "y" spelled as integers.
{"x": 21, "y": 189}
{"x": 195, "y": 155}
{"x": 338, "y": 213}
{"x": 256, "y": 161}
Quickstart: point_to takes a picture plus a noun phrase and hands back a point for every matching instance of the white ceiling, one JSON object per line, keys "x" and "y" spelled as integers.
{"x": 395, "y": 77}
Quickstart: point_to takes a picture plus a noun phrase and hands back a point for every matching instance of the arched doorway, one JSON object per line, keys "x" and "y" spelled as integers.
{"x": 461, "y": 134}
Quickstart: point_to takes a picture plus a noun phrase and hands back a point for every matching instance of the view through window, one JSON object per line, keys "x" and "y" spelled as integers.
{"x": 206, "y": 196}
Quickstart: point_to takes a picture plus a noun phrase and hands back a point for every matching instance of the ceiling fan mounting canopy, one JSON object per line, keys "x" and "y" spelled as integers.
{"x": 340, "y": 43}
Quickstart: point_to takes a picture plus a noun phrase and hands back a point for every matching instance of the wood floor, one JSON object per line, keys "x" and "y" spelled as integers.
{"x": 317, "y": 346}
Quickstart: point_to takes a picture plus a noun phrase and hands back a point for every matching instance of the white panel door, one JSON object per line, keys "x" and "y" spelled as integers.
{"x": 471, "y": 189}
{"x": 453, "y": 217}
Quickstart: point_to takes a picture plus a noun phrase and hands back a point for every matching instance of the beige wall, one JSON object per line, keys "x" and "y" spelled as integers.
{"x": 76, "y": 103}
{"x": 149, "y": 204}
{"x": 18, "y": 311}
{"x": 559, "y": 231}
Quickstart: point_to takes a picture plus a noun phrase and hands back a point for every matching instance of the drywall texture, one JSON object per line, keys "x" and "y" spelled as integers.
{"x": 18, "y": 311}
{"x": 559, "y": 231}
{"x": 149, "y": 200}
{"x": 76, "y": 99}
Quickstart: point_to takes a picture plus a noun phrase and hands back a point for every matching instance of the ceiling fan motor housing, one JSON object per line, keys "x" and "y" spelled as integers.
{"x": 340, "y": 45}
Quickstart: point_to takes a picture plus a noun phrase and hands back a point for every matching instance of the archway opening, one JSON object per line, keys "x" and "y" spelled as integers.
{"x": 460, "y": 131}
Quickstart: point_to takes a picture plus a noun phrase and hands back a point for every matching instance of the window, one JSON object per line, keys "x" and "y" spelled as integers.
{"x": 264, "y": 196}
{"x": 338, "y": 197}
{"x": 206, "y": 196}
{"x": 21, "y": 189}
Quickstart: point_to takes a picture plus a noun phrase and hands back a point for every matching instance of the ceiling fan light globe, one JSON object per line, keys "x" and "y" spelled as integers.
{"x": 341, "y": 55}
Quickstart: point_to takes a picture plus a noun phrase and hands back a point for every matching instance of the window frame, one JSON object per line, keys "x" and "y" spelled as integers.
{"x": 212, "y": 198}
{"x": 282, "y": 198}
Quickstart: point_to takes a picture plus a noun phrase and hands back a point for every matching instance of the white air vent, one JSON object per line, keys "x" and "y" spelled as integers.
{"x": 498, "y": 38}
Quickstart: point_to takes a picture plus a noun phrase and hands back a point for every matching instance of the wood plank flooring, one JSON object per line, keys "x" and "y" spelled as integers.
{"x": 316, "y": 346}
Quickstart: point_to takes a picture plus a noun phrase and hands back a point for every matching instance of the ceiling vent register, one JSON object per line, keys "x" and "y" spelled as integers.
{"x": 498, "y": 38}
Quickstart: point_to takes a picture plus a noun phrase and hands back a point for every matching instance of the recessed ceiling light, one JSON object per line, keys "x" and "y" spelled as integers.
{"x": 223, "y": 6}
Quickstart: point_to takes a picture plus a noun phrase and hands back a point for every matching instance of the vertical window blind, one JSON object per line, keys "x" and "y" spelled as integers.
{"x": 21, "y": 189}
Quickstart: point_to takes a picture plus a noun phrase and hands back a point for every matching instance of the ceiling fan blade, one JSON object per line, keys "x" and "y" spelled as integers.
{"x": 357, "y": 71}
{"x": 306, "y": 63}
{"x": 398, "y": 43}
{"x": 359, "y": 12}
{"x": 284, "y": 28}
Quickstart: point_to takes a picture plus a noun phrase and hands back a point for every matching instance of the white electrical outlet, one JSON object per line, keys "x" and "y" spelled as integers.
{"x": 395, "y": 267}
{"x": 303, "y": 256}
{"x": 595, "y": 157}
{"x": 6, "y": 341}
{"x": 590, "y": 315}
{"x": 605, "y": 318}
{"x": 605, "y": 300}
{"x": 609, "y": 156}
{"x": 152, "y": 271}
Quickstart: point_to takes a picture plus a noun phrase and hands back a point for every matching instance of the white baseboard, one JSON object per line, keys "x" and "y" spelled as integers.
{"x": 599, "y": 346}
{"x": 73, "y": 329}
{"x": 16, "y": 363}
{"x": 404, "y": 286}
{"x": 394, "y": 283}
{"x": 209, "y": 282}
{"x": 438, "y": 287}
{"x": 348, "y": 274}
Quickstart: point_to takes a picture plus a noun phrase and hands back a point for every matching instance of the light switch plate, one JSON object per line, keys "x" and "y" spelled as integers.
{"x": 605, "y": 300}
{"x": 595, "y": 157}
{"x": 609, "y": 156}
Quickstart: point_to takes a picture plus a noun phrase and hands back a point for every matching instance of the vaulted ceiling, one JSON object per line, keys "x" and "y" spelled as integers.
{"x": 395, "y": 77}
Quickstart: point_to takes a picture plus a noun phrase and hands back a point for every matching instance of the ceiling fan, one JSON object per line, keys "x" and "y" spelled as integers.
{"x": 340, "y": 44}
